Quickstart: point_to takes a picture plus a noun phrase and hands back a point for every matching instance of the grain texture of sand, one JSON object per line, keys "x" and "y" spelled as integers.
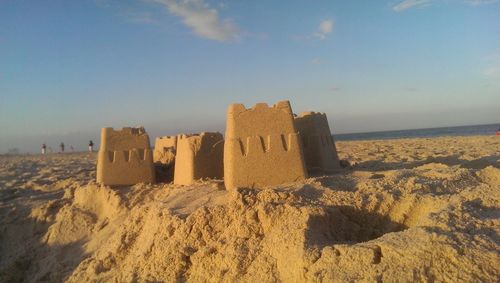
{"x": 406, "y": 210}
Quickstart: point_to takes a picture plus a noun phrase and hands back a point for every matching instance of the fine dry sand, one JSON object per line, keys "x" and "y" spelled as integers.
{"x": 407, "y": 210}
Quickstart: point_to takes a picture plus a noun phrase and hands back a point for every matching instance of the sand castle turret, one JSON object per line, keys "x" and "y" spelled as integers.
{"x": 165, "y": 149}
{"x": 125, "y": 157}
{"x": 262, "y": 146}
{"x": 318, "y": 145}
{"x": 164, "y": 158}
{"x": 198, "y": 157}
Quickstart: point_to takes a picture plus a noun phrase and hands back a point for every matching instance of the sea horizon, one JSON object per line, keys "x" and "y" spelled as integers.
{"x": 466, "y": 130}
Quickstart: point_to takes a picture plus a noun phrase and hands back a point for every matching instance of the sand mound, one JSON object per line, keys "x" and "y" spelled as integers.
{"x": 384, "y": 220}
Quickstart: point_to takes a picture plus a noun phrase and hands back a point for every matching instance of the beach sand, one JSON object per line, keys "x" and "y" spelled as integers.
{"x": 405, "y": 210}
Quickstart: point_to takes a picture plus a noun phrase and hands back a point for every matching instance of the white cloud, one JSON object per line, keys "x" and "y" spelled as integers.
{"x": 480, "y": 2}
{"x": 407, "y": 4}
{"x": 325, "y": 27}
{"x": 201, "y": 19}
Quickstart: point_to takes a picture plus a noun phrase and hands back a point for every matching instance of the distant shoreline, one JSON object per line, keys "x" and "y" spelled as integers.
{"x": 474, "y": 130}
{"x": 338, "y": 138}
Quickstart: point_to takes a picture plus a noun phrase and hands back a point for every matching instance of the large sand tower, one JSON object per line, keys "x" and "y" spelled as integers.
{"x": 262, "y": 146}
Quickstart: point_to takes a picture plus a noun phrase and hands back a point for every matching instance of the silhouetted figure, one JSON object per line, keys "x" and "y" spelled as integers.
{"x": 72, "y": 148}
{"x": 91, "y": 146}
{"x": 44, "y": 148}
{"x": 62, "y": 147}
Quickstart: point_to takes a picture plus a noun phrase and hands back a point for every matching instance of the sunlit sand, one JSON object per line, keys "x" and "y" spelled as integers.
{"x": 405, "y": 210}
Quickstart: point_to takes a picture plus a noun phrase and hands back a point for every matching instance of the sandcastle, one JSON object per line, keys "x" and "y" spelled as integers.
{"x": 262, "y": 146}
{"x": 165, "y": 149}
{"x": 198, "y": 157}
{"x": 164, "y": 158}
{"x": 318, "y": 145}
{"x": 125, "y": 157}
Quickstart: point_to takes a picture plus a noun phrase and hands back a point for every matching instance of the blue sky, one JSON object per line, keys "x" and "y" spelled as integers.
{"x": 68, "y": 68}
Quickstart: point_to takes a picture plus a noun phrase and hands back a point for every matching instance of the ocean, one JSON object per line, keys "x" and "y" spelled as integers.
{"x": 477, "y": 130}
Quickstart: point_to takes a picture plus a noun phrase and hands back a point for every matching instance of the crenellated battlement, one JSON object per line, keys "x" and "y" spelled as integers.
{"x": 312, "y": 121}
{"x": 260, "y": 120}
{"x": 262, "y": 146}
{"x": 237, "y": 108}
{"x": 125, "y": 157}
{"x": 166, "y": 137}
{"x": 198, "y": 137}
{"x": 165, "y": 142}
{"x": 124, "y": 139}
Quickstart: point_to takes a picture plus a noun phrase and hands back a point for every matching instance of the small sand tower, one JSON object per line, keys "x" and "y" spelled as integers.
{"x": 164, "y": 158}
{"x": 125, "y": 157}
{"x": 198, "y": 157}
{"x": 319, "y": 148}
{"x": 165, "y": 149}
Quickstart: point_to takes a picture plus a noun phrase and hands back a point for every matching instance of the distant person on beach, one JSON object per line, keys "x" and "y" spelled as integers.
{"x": 91, "y": 146}
{"x": 62, "y": 147}
{"x": 72, "y": 148}
{"x": 44, "y": 148}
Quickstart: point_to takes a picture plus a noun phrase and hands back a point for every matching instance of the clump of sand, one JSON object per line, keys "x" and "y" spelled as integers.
{"x": 407, "y": 210}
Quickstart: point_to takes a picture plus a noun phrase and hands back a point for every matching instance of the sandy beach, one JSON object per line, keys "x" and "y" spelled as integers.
{"x": 404, "y": 210}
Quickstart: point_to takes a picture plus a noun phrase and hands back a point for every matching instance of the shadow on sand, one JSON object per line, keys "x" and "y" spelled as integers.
{"x": 348, "y": 225}
{"x": 25, "y": 255}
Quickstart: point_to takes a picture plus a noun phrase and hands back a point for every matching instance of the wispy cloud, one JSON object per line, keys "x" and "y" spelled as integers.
{"x": 203, "y": 20}
{"x": 480, "y": 2}
{"x": 325, "y": 28}
{"x": 407, "y": 4}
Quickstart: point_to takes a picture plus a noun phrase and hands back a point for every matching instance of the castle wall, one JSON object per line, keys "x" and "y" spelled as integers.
{"x": 318, "y": 145}
{"x": 199, "y": 157}
{"x": 125, "y": 157}
{"x": 262, "y": 146}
